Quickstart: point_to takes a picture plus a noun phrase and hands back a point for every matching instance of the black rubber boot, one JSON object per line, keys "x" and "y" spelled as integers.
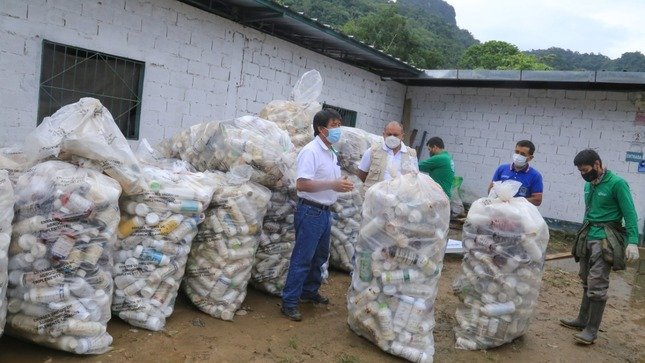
{"x": 583, "y": 315}
{"x": 588, "y": 336}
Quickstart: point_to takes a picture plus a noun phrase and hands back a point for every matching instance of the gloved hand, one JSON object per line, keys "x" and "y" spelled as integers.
{"x": 631, "y": 253}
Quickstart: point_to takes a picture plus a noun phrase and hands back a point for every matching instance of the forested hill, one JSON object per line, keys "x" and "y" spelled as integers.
{"x": 568, "y": 60}
{"x": 425, "y": 34}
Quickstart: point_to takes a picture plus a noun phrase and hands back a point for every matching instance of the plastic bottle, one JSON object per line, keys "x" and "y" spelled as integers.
{"x": 417, "y": 316}
{"x": 365, "y": 266}
{"x": 62, "y": 247}
{"x": 170, "y": 224}
{"x": 401, "y": 276}
{"x": 186, "y": 207}
{"x": 498, "y": 309}
{"x": 409, "y": 353}
{"x": 47, "y": 294}
{"x": 187, "y": 225}
{"x": 369, "y": 294}
{"x": 385, "y": 322}
{"x": 221, "y": 286}
{"x": 128, "y": 226}
{"x": 150, "y": 255}
{"x": 403, "y": 312}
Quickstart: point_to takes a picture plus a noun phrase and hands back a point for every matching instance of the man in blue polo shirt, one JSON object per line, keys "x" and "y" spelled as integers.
{"x": 520, "y": 170}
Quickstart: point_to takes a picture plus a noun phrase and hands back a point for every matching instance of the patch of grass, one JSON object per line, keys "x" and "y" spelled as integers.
{"x": 348, "y": 358}
{"x": 560, "y": 241}
{"x": 293, "y": 344}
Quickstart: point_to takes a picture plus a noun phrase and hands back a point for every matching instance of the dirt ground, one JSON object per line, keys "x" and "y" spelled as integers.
{"x": 263, "y": 335}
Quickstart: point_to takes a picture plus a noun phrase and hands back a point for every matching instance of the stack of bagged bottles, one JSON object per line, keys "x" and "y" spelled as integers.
{"x": 220, "y": 262}
{"x": 279, "y": 236}
{"x": 399, "y": 255}
{"x": 154, "y": 239}
{"x": 505, "y": 241}
{"x": 60, "y": 257}
{"x": 295, "y": 117}
{"x": 346, "y": 223}
{"x": 85, "y": 133}
{"x": 353, "y": 145}
{"x": 7, "y": 201}
{"x": 246, "y": 140}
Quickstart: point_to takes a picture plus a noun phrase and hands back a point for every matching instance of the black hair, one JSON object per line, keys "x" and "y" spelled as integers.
{"x": 526, "y": 143}
{"x": 436, "y": 141}
{"x": 321, "y": 119}
{"x": 586, "y": 157}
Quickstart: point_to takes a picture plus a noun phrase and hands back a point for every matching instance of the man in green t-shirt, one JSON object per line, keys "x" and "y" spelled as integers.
{"x": 602, "y": 244}
{"x": 439, "y": 165}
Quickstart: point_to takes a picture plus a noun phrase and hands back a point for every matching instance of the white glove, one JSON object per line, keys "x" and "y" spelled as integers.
{"x": 631, "y": 253}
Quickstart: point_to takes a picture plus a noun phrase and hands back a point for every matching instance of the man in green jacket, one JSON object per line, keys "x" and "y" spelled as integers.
{"x": 602, "y": 243}
{"x": 439, "y": 165}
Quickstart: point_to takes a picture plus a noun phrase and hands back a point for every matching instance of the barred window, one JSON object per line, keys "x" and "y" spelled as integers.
{"x": 349, "y": 116}
{"x": 69, "y": 73}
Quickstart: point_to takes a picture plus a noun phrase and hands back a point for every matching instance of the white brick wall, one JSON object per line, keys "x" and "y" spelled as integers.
{"x": 481, "y": 126}
{"x": 198, "y": 67}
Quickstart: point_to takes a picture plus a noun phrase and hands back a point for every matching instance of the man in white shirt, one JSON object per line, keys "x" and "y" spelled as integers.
{"x": 318, "y": 180}
{"x": 389, "y": 159}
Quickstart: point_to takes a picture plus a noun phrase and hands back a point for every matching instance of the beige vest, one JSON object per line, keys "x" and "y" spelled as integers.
{"x": 379, "y": 164}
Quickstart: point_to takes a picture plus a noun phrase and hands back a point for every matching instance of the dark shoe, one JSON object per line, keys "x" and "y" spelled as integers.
{"x": 291, "y": 313}
{"x": 590, "y": 333}
{"x": 316, "y": 299}
{"x": 583, "y": 315}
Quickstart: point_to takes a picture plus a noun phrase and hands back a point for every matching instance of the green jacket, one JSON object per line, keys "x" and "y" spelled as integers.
{"x": 441, "y": 169}
{"x": 613, "y": 252}
{"x": 607, "y": 204}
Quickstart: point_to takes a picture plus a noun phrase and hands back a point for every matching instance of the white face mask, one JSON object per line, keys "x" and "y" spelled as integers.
{"x": 392, "y": 142}
{"x": 519, "y": 160}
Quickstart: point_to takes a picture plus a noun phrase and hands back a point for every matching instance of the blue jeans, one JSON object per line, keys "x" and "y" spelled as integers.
{"x": 313, "y": 230}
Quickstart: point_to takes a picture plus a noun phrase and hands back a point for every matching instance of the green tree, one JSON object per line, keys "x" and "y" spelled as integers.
{"x": 496, "y": 54}
{"x": 628, "y": 62}
{"x": 392, "y": 33}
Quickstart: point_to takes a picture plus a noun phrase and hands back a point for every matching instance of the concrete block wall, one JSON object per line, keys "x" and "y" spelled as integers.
{"x": 480, "y": 127}
{"x": 198, "y": 66}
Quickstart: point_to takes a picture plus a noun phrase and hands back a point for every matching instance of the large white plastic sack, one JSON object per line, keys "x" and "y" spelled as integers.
{"x": 247, "y": 140}
{"x": 399, "y": 255}
{"x": 60, "y": 257}
{"x": 296, "y": 116}
{"x": 154, "y": 239}
{"x": 505, "y": 241}
{"x": 86, "y": 129}
{"x": 352, "y": 145}
{"x": 220, "y": 262}
{"x": 7, "y": 201}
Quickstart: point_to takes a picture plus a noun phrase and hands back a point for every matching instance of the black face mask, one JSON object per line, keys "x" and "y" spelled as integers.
{"x": 590, "y": 175}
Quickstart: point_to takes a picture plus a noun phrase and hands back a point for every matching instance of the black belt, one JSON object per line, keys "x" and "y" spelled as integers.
{"x": 314, "y": 204}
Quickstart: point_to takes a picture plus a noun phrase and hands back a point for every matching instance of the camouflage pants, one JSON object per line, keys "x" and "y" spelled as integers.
{"x": 594, "y": 272}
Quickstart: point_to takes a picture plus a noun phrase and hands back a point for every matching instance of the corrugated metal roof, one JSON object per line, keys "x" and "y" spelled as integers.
{"x": 279, "y": 21}
{"x": 585, "y": 80}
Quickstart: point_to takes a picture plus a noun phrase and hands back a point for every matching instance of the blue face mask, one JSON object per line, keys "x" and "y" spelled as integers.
{"x": 333, "y": 135}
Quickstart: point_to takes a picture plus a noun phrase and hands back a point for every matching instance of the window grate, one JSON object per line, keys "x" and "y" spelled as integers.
{"x": 69, "y": 73}
{"x": 349, "y": 116}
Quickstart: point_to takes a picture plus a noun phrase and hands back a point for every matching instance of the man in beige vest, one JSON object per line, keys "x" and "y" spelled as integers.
{"x": 387, "y": 159}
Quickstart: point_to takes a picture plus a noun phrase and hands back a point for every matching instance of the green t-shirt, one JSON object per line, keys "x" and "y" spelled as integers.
{"x": 441, "y": 168}
{"x": 610, "y": 201}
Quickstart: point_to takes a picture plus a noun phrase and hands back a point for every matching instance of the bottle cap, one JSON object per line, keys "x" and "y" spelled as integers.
{"x": 389, "y": 290}
{"x": 152, "y": 219}
{"x": 155, "y": 186}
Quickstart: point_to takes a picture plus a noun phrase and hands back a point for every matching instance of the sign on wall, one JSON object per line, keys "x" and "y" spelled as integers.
{"x": 641, "y": 166}
{"x": 634, "y": 156}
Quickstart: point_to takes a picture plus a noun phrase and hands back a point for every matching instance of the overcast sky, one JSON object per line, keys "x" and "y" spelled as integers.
{"x": 610, "y": 27}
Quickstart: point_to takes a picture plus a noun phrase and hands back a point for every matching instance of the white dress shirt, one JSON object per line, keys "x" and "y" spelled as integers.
{"x": 318, "y": 162}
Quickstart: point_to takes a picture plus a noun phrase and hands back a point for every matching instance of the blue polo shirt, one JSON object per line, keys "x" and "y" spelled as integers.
{"x": 530, "y": 178}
